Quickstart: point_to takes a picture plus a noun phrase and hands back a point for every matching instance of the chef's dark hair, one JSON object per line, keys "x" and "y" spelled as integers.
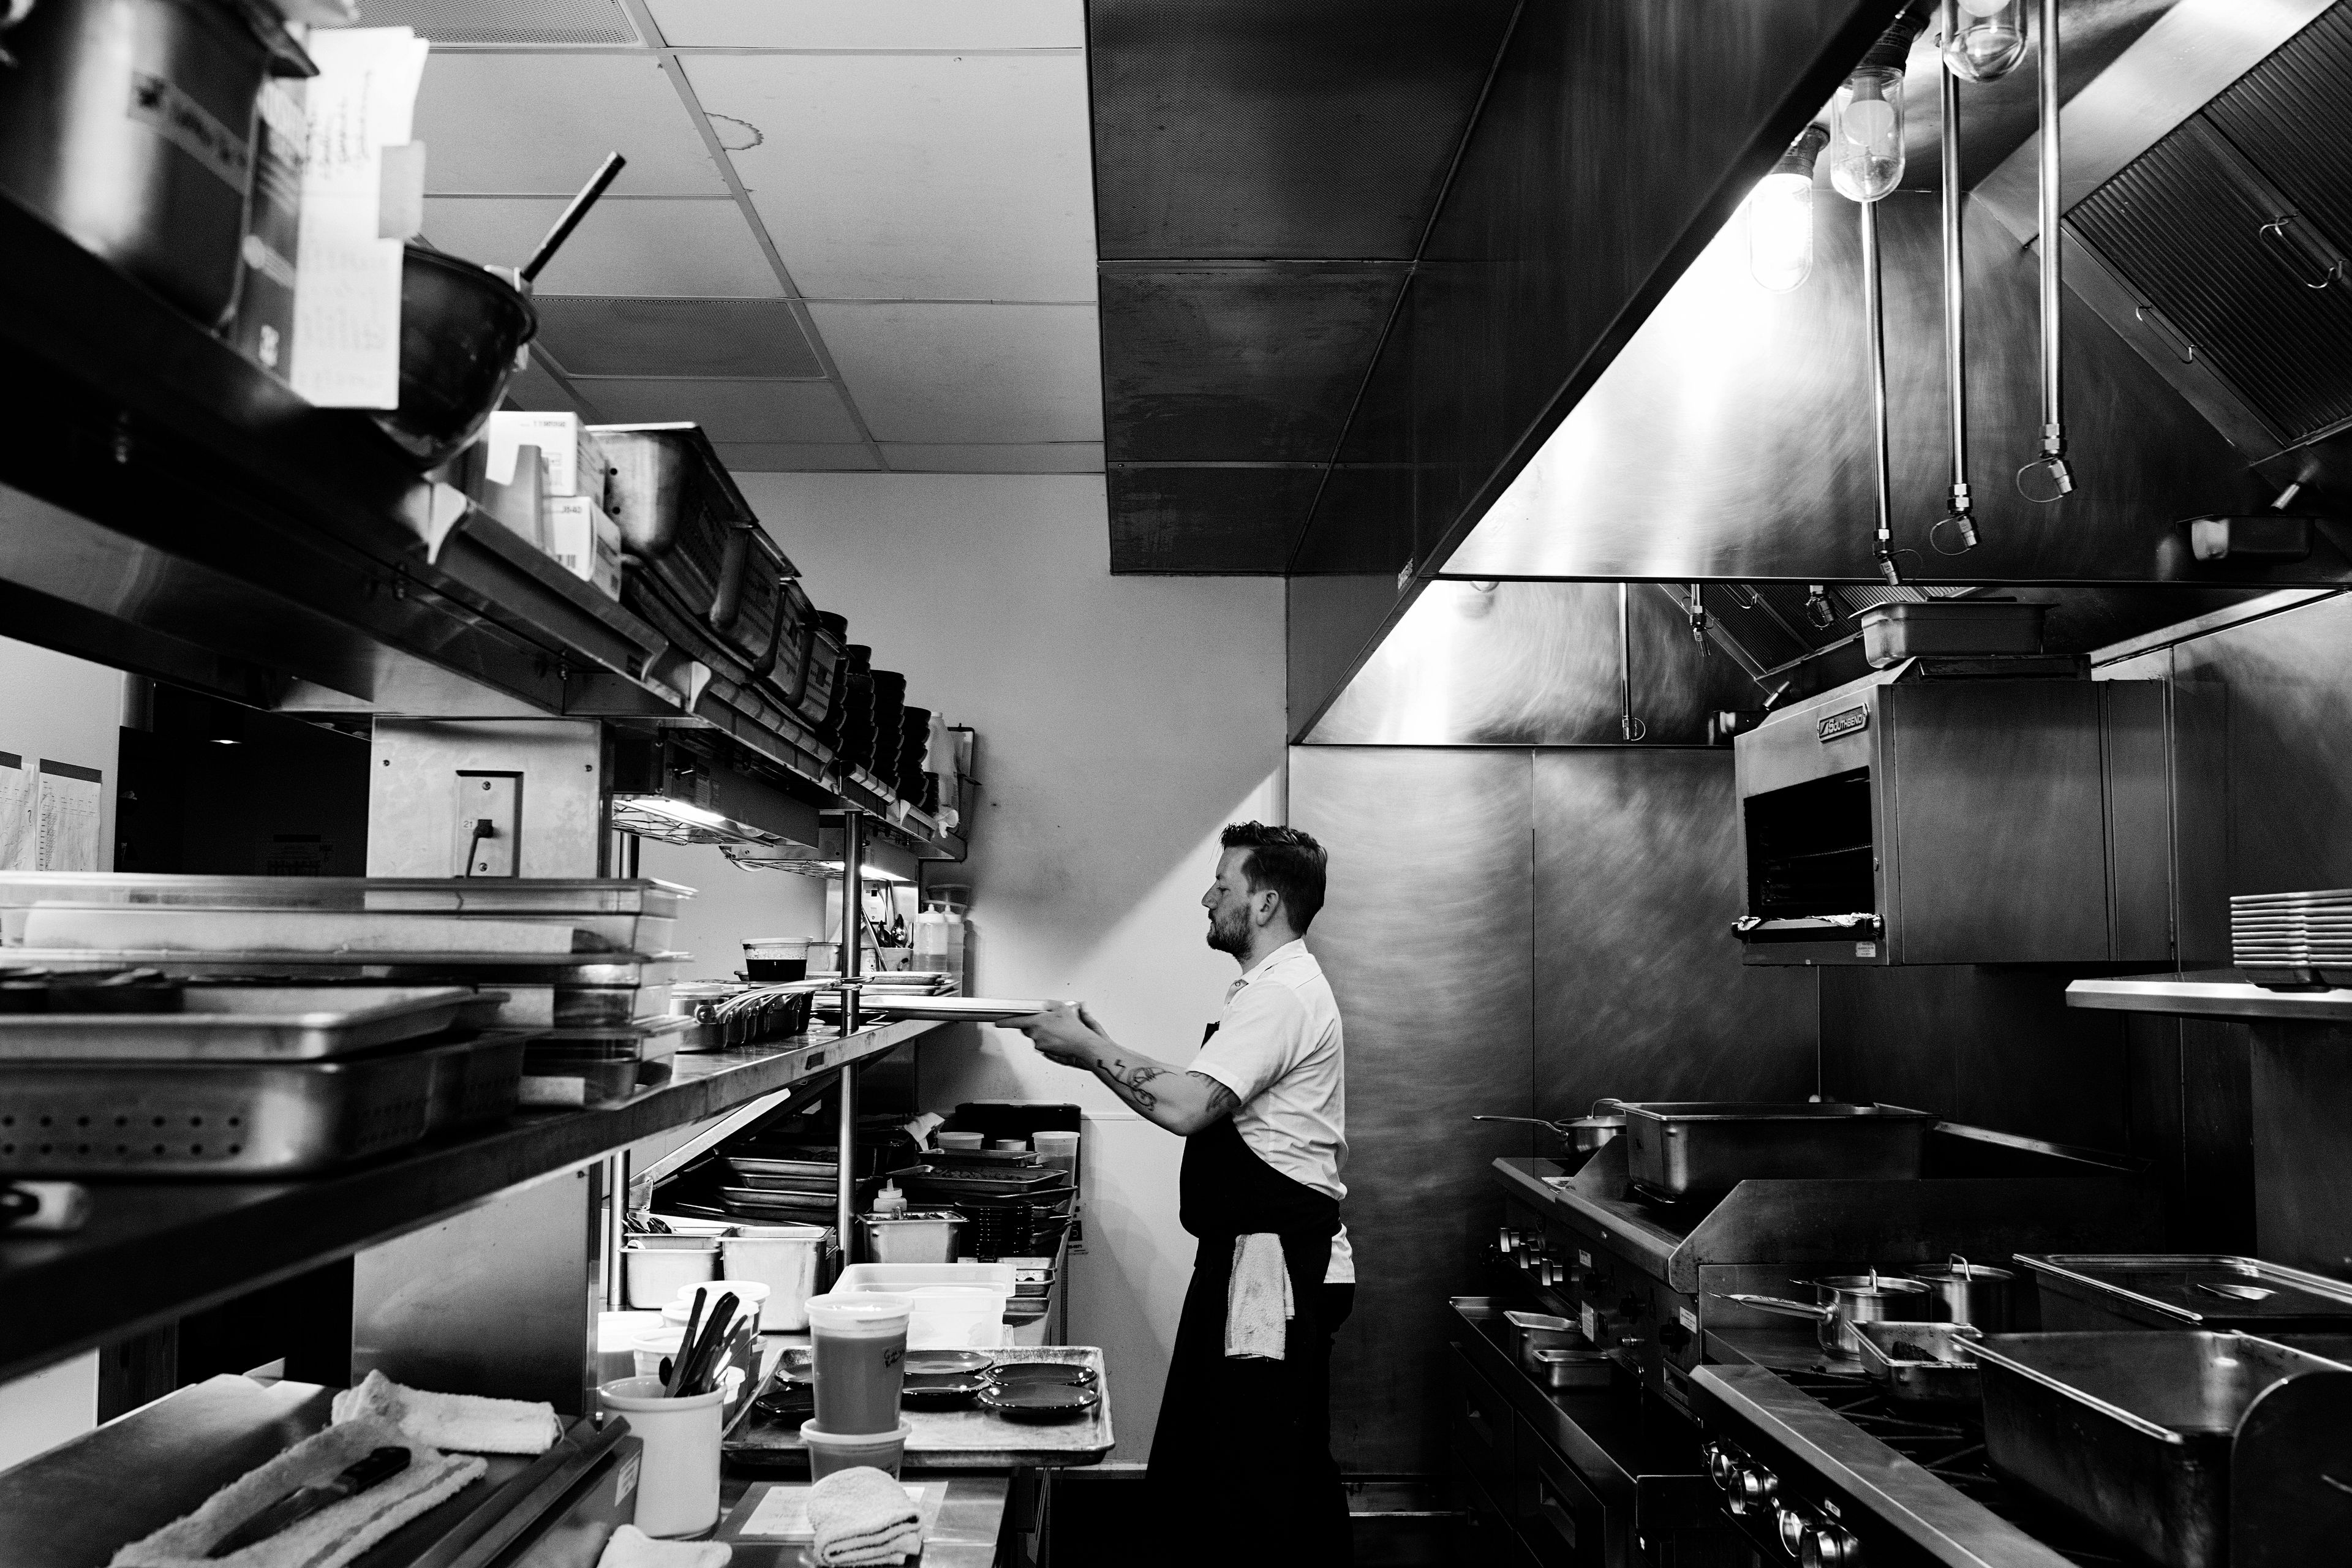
{"x": 1282, "y": 858}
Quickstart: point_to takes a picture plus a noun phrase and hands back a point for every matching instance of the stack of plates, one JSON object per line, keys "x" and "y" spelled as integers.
{"x": 2291, "y": 941}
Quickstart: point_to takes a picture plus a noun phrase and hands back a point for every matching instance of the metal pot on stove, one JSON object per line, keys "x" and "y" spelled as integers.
{"x": 1847, "y": 1299}
{"x": 1971, "y": 1293}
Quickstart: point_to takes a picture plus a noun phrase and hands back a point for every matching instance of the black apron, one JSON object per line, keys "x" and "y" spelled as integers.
{"x": 1240, "y": 1461}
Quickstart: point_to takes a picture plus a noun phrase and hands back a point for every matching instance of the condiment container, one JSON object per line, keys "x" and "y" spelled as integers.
{"x": 965, "y": 1141}
{"x": 776, "y": 958}
{"x": 956, "y": 1316}
{"x": 916, "y": 1235}
{"x": 656, "y": 1269}
{"x": 884, "y": 1451}
{"x": 786, "y": 1259}
{"x": 677, "y": 1488}
{"x": 650, "y": 1347}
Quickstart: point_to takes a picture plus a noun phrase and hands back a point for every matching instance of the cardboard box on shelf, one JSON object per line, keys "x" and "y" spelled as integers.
{"x": 576, "y": 464}
{"x": 583, "y": 541}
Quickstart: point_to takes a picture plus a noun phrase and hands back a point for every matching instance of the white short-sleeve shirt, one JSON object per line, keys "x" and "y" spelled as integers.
{"x": 1277, "y": 1046}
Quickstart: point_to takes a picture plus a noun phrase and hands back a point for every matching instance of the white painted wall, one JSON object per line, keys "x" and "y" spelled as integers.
{"x": 1123, "y": 721}
{"x": 66, "y": 709}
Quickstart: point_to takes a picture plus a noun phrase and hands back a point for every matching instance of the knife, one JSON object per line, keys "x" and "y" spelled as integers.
{"x": 299, "y": 1504}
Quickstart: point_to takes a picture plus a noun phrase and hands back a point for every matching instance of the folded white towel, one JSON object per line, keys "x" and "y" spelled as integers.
{"x": 861, "y": 1515}
{"x": 329, "y": 1537}
{"x": 633, "y": 1548}
{"x": 1257, "y": 1298}
{"x": 469, "y": 1423}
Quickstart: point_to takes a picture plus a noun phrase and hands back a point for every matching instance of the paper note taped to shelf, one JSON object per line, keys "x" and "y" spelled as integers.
{"x": 16, "y": 839}
{"x": 68, "y": 818}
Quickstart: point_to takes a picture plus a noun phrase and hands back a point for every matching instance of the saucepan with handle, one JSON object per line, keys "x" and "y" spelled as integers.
{"x": 1583, "y": 1133}
{"x": 1845, "y": 1301}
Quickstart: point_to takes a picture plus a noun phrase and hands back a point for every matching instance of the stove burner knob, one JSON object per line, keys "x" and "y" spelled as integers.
{"x": 1793, "y": 1526}
{"x": 1549, "y": 1272}
{"x": 1507, "y": 1241}
{"x": 1828, "y": 1546}
{"x": 1719, "y": 1464}
{"x": 1754, "y": 1489}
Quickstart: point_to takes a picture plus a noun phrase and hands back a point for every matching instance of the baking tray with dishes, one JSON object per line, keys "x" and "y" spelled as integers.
{"x": 1031, "y": 1405}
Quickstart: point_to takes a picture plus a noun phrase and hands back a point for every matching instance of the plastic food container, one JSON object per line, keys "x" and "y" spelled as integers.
{"x": 917, "y": 1236}
{"x": 776, "y": 958}
{"x": 956, "y": 1316}
{"x": 884, "y": 1451}
{"x": 786, "y": 1258}
{"x": 967, "y": 1142}
{"x": 751, "y": 1295}
{"x": 650, "y": 1347}
{"x": 655, "y": 1269}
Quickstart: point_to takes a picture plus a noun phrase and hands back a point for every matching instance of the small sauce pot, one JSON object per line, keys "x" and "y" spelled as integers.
{"x": 1971, "y": 1293}
{"x": 1845, "y": 1300}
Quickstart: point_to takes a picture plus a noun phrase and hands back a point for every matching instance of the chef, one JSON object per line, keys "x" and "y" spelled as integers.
{"x": 1241, "y": 1462}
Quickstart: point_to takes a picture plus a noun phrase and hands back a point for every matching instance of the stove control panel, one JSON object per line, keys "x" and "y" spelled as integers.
{"x": 1751, "y": 1494}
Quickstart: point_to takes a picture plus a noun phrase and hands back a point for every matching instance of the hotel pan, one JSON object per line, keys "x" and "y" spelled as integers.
{"x": 1679, "y": 1147}
{"x": 241, "y": 1023}
{"x": 2131, "y": 1433}
{"x": 1921, "y": 1364}
{"x": 2185, "y": 1290}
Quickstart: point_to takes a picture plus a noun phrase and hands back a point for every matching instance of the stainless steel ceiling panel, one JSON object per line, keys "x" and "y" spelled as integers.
{"x": 1232, "y": 128}
{"x": 1731, "y": 438}
{"x": 604, "y": 335}
{"x": 1237, "y": 361}
{"x": 1173, "y": 518}
{"x": 1363, "y": 523}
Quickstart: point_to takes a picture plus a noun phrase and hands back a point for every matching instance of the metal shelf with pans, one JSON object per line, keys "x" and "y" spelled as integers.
{"x": 168, "y": 508}
{"x": 61, "y": 1294}
{"x": 2210, "y": 993}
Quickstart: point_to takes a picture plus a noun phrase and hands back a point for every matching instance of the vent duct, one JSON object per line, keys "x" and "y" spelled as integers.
{"x": 513, "y": 23}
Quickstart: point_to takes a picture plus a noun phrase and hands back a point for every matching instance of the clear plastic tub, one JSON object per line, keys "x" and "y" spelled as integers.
{"x": 884, "y": 1451}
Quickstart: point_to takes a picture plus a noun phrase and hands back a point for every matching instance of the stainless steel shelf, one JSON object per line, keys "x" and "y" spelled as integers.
{"x": 169, "y": 508}
{"x": 154, "y": 1251}
{"x": 2209, "y": 994}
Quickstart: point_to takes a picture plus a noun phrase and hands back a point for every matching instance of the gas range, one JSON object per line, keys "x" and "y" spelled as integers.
{"x": 1818, "y": 1466}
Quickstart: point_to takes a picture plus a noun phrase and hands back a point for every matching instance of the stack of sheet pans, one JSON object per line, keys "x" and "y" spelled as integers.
{"x": 2293, "y": 941}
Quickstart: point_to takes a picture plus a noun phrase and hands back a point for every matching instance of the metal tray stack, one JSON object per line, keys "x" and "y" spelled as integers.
{"x": 2293, "y": 942}
{"x": 249, "y": 1080}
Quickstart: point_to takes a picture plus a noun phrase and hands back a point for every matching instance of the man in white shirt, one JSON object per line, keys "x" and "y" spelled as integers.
{"x": 1241, "y": 1463}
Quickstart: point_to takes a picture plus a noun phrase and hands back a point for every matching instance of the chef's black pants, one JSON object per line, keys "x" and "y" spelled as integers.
{"x": 1242, "y": 1472}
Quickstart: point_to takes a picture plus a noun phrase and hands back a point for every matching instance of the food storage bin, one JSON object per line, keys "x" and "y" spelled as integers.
{"x": 918, "y": 1236}
{"x": 786, "y": 1258}
{"x": 656, "y": 1269}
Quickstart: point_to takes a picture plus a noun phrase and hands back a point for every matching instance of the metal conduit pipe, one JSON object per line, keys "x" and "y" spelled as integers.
{"x": 1959, "y": 518}
{"x": 1874, "y": 305}
{"x": 2047, "y": 478}
{"x": 1628, "y": 727}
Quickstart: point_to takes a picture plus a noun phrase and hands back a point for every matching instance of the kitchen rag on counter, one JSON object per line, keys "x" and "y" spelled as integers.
{"x": 1258, "y": 1307}
{"x": 633, "y": 1548}
{"x": 471, "y": 1423}
{"x": 862, "y": 1515}
{"x": 328, "y": 1539}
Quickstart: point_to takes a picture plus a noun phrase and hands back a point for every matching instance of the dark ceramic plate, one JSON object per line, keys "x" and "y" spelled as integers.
{"x": 1040, "y": 1401}
{"x": 932, "y": 1363}
{"x": 791, "y": 1401}
{"x": 1044, "y": 1375}
{"x": 933, "y": 1390}
{"x": 792, "y": 1366}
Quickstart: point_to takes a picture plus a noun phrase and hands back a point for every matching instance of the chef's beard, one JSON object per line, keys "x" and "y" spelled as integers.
{"x": 1230, "y": 935}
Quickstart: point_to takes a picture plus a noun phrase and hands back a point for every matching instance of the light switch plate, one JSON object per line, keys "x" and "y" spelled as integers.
{"x": 495, "y": 798}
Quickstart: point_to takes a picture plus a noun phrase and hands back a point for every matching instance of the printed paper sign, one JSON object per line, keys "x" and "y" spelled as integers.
{"x": 17, "y": 836}
{"x": 68, "y": 817}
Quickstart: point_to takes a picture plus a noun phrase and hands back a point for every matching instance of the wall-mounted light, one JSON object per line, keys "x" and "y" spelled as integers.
{"x": 1987, "y": 40}
{"x": 1866, "y": 117}
{"x": 1780, "y": 216}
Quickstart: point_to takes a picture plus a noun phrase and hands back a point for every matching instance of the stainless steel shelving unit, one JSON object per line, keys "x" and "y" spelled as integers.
{"x": 154, "y": 1251}
{"x": 2209, "y": 994}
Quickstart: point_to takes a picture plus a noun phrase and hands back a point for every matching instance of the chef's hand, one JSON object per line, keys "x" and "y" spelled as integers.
{"x": 1063, "y": 1032}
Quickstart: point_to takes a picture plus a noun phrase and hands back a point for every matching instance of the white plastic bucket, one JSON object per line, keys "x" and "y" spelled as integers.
{"x": 677, "y": 1483}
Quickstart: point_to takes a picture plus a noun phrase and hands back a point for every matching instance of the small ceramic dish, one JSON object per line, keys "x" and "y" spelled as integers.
{"x": 793, "y": 1365}
{"x": 789, "y": 1402}
{"x": 937, "y": 1390}
{"x": 933, "y": 1364}
{"x": 1043, "y": 1374}
{"x": 1039, "y": 1400}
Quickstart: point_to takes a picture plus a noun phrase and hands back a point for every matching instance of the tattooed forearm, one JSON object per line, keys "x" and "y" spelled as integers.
{"x": 1222, "y": 1101}
{"x": 1129, "y": 1081}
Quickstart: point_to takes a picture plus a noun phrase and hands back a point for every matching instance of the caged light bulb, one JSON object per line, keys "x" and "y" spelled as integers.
{"x": 1866, "y": 134}
{"x": 1987, "y": 40}
{"x": 1781, "y": 217}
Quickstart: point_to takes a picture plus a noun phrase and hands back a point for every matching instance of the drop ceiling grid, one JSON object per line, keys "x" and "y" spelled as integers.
{"x": 935, "y": 432}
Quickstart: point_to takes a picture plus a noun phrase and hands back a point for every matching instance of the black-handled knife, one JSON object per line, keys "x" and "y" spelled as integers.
{"x": 299, "y": 1504}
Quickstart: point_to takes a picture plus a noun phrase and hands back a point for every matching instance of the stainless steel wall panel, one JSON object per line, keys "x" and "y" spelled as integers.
{"x": 1238, "y": 521}
{"x": 1532, "y": 664}
{"x": 1638, "y": 988}
{"x": 2136, "y": 743}
{"x": 1329, "y": 618}
{"x": 1425, "y": 940}
{"x": 2302, "y": 1082}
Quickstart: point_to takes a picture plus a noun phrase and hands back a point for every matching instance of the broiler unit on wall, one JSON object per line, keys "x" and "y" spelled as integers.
{"x": 1910, "y": 818}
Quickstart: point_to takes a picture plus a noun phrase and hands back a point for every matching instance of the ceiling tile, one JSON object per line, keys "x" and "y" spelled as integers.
{"x": 1052, "y": 458}
{"x": 916, "y": 176}
{"x": 955, "y": 374}
{"x": 596, "y": 336}
{"x": 540, "y": 124}
{"x": 703, "y": 249}
{"x": 791, "y": 411}
{"x": 793, "y": 458}
{"x": 874, "y": 24}
{"x": 534, "y": 387}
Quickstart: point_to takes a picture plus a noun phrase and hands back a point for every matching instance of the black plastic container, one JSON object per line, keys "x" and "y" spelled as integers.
{"x": 853, "y": 738}
{"x": 914, "y": 741}
{"x": 460, "y": 326}
{"x": 881, "y": 758}
{"x": 834, "y": 629}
